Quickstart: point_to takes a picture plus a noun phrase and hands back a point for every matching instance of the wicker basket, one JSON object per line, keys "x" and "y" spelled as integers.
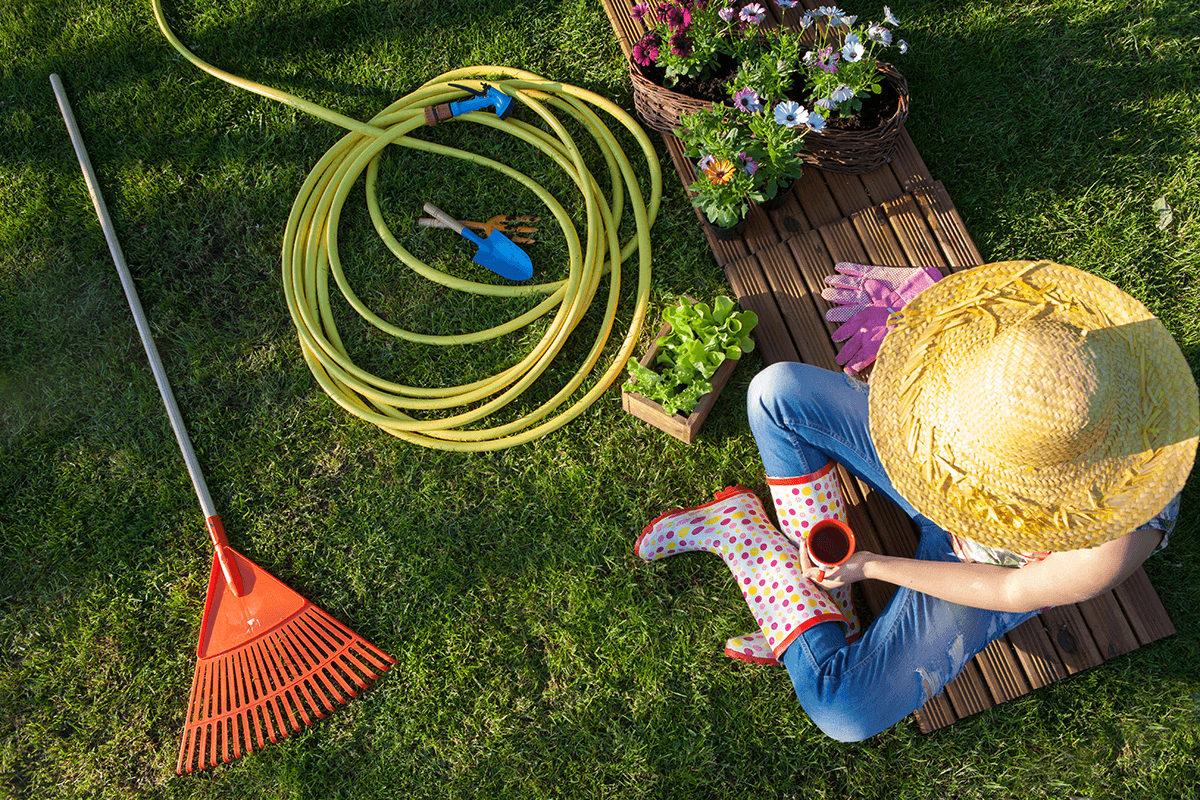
{"x": 831, "y": 149}
{"x": 657, "y": 106}
{"x": 860, "y": 151}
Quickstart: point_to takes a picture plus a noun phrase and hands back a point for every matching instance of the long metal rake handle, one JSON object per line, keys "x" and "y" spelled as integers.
{"x": 215, "y": 529}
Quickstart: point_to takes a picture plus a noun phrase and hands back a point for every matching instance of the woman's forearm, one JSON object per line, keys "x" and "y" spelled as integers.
{"x": 976, "y": 585}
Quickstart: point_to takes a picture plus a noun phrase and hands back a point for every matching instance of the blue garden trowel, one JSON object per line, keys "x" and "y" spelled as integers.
{"x": 497, "y": 252}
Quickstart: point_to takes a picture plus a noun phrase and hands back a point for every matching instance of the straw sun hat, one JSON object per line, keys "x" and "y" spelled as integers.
{"x": 1033, "y": 407}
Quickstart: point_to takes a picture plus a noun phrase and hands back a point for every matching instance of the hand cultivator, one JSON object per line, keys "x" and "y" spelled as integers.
{"x": 505, "y": 223}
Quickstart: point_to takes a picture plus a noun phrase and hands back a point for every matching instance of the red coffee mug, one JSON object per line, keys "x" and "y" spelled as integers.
{"x": 830, "y": 542}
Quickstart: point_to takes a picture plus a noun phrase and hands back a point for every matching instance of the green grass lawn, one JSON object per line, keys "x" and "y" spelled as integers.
{"x": 536, "y": 655}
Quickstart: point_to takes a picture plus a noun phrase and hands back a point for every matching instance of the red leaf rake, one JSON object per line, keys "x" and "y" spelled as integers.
{"x": 268, "y": 662}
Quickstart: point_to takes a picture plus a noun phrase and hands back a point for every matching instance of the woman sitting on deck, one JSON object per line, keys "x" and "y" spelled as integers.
{"x": 1023, "y": 414}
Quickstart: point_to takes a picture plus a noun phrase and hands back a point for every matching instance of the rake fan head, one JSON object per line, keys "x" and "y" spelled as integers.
{"x": 268, "y": 663}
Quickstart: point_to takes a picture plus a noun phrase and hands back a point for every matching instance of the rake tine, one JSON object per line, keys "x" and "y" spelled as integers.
{"x": 325, "y": 662}
{"x": 265, "y": 678}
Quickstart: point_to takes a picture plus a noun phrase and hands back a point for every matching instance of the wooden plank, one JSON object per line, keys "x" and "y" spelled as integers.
{"x": 789, "y": 219}
{"x": 1143, "y": 609}
{"x": 936, "y": 713}
{"x": 628, "y": 31}
{"x": 1038, "y": 658}
{"x": 843, "y": 243}
{"x": 847, "y": 191}
{"x": 1109, "y": 628}
{"x": 1068, "y": 634}
{"x": 916, "y": 240}
{"x": 760, "y": 233}
{"x": 1002, "y": 671}
{"x": 907, "y": 164}
{"x": 797, "y": 303}
{"x": 753, "y": 292}
{"x": 881, "y": 185}
{"x": 967, "y": 692}
{"x": 948, "y": 229}
{"x": 815, "y": 198}
{"x": 880, "y": 242}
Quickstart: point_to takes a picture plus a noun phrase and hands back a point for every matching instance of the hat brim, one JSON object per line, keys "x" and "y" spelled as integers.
{"x": 988, "y": 495}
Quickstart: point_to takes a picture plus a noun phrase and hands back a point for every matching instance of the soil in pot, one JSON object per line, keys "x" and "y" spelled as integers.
{"x": 710, "y": 89}
{"x": 876, "y": 109}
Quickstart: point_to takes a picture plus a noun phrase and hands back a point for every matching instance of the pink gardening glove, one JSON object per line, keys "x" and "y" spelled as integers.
{"x": 865, "y": 296}
{"x": 864, "y": 333}
{"x": 857, "y": 286}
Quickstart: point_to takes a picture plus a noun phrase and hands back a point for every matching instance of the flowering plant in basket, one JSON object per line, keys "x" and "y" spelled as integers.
{"x": 762, "y": 132}
{"x": 722, "y": 146}
{"x": 841, "y": 69}
{"x": 687, "y": 38}
{"x": 777, "y": 125}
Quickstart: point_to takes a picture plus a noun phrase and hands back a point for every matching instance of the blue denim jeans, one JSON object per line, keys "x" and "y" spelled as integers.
{"x": 801, "y": 417}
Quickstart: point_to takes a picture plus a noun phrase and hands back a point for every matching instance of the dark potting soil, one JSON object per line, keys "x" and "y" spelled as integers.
{"x": 876, "y": 108}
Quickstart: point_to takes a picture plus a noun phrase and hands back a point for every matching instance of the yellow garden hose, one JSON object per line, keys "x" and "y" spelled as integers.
{"x": 310, "y": 254}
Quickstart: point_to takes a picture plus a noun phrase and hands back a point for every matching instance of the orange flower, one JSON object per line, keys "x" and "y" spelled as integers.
{"x": 719, "y": 171}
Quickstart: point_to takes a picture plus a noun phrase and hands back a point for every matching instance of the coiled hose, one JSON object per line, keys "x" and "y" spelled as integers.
{"x": 310, "y": 254}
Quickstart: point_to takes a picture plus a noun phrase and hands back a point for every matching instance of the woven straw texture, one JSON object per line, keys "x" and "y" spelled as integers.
{"x": 832, "y": 150}
{"x": 1033, "y": 407}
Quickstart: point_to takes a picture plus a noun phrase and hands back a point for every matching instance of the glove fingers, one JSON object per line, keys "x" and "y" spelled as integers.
{"x": 844, "y": 313}
{"x": 844, "y": 281}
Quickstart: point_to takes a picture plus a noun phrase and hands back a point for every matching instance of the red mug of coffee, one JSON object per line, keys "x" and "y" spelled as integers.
{"x": 830, "y": 542}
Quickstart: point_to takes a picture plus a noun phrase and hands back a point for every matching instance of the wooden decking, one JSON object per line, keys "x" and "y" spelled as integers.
{"x": 898, "y": 214}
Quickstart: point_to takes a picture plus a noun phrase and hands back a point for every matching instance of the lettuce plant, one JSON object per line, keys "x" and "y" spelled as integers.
{"x": 702, "y": 337}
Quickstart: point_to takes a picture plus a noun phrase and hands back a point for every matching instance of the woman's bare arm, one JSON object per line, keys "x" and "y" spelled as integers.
{"x": 1067, "y": 577}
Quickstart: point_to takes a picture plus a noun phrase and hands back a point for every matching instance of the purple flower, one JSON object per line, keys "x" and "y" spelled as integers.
{"x": 827, "y": 60}
{"x": 645, "y": 52}
{"x": 786, "y": 3}
{"x": 727, "y": 14}
{"x": 747, "y": 100}
{"x": 704, "y": 161}
{"x": 639, "y": 11}
{"x": 753, "y": 14}
{"x": 678, "y": 18}
{"x": 681, "y": 45}
{"x": 748, "y": 164}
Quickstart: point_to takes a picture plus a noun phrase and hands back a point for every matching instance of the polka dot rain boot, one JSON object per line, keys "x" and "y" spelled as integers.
{"x": 752, "y": 647}
{"x": 765, "y": 563}
{"x": 800, "y": 503}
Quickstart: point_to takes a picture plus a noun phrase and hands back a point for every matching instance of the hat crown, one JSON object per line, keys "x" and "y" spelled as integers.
{"x": 1039, "y": 393}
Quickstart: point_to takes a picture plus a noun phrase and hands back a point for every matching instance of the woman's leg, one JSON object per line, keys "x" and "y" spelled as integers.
{"x": 802, "y": 416}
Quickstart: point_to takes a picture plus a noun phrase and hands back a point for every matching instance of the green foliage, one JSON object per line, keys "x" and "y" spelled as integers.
{"x": 700, "y": 340}
{"x": 687, "y": 39}
{"x": 722, "y": 146}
